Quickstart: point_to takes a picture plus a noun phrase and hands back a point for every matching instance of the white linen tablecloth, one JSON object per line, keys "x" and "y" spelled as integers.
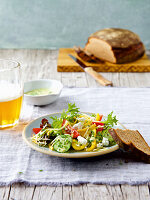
{"x": 19, "y": 163}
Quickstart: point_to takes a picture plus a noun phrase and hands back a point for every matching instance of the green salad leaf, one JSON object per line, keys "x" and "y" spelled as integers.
{"x": 109, "y": 122}
{"x": 64, "y": 114}
{"x": 57, "y": 122}
{"x": 93, "y": 115}
{"x": 107, "y": 135}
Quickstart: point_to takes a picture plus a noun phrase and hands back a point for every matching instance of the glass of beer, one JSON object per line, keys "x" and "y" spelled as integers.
{"x": 11, "y": 93}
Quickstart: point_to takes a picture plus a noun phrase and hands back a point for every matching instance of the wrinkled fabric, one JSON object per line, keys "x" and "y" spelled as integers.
{"x": 19, "y": 163}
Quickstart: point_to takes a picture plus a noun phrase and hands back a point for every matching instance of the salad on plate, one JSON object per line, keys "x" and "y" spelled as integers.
{"x": 75, "y": 131}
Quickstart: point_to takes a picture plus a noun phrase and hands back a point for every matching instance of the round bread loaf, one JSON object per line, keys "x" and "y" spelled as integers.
{"x": 115, "y": 45}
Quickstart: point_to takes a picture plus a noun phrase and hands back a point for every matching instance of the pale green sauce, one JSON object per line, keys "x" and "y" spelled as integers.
{"x": 40, "y": 91}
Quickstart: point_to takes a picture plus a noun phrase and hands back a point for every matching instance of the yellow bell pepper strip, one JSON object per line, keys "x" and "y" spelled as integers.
{"x": 98, "y": 117}
{"x": 83, "y": 131}
{"x": 76, "y": 146}
{"x": 93, "y": 146}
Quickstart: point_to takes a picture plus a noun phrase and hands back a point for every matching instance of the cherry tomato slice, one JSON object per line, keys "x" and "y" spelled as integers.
{"x": 71, "y": 131}
{"x": 99, "y": 129}
{"x": 37, "y": 130}
{"x": 75, "y": 134}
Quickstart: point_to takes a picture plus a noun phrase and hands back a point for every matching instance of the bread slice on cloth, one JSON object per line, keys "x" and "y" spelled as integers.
{"x": 115, "y": 45}
{"x": 132, "y": 140}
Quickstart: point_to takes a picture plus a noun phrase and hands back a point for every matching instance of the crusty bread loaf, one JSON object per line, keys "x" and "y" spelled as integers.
{"x": 132, "y": 140}
{"x": 115, "y": 45}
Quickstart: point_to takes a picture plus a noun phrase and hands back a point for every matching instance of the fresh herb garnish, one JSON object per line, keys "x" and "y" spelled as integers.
{"x": 111, "y": 120}
{"x": 69, "y": 115}
{"x": 57, "y": 122}
{"x": 93, "y": 115}
{"x": 73, "y": 112}
{"x": 72, "y": 109}
{"x": 20, "y": 172}
{"x": 41, "y": 170}
{"x": 64, "y": 114}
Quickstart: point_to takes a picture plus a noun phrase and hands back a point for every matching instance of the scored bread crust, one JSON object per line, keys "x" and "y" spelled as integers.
{"x": 126, "y": 143}
{"x": 117, "y": 37}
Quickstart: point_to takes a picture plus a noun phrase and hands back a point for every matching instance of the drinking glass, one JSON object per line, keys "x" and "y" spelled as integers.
{"x": 11, "y": 93}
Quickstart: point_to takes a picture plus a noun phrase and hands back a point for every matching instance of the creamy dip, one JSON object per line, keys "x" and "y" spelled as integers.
{"x": 40, "y": 91}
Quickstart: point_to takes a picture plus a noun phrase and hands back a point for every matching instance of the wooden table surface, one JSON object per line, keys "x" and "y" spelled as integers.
{"x": 42, "y": 64}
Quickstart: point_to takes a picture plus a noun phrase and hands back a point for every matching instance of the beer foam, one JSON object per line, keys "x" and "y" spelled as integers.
{"x": 9, "y": 91}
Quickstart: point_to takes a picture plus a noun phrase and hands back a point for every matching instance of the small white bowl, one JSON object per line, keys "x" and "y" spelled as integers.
{"x": 54, "y": 85}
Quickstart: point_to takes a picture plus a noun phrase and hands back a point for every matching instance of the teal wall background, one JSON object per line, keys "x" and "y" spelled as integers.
{"x": 65, "y": 23}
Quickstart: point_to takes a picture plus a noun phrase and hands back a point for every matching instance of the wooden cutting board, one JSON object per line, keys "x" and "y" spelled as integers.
{"x": 66, "y": 64}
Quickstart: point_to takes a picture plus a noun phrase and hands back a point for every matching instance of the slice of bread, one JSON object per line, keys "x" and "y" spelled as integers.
{"x": 115, "y": 45}
{"x": 86, "y": 56}
{"x": 132, "y": 140}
